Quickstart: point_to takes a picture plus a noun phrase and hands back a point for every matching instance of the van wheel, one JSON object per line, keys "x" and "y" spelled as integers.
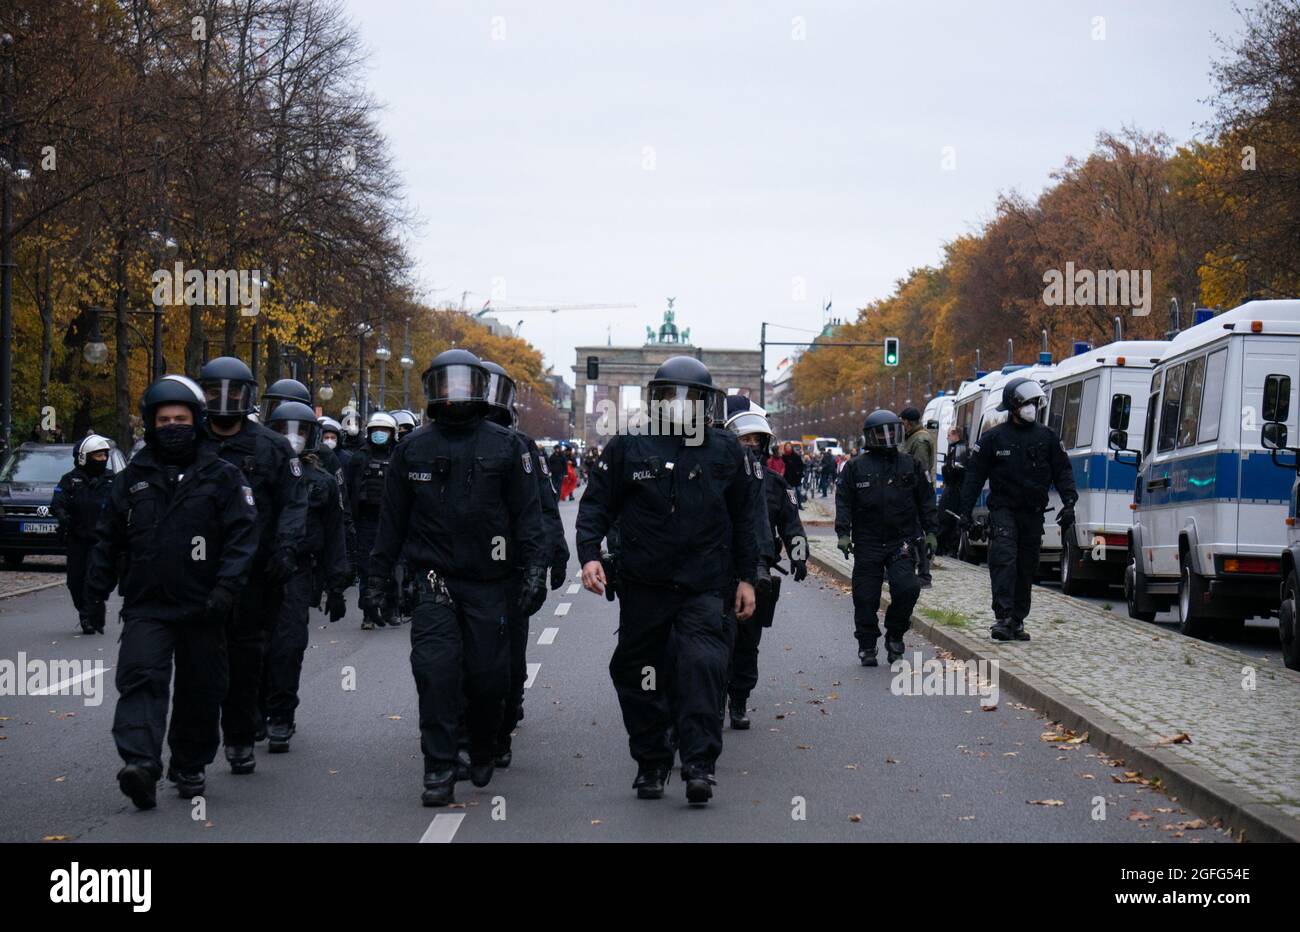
{"x": 1071, "y": 584}
{"x": 14, "y": 560}
{"x": 964, "y": 550}
{"x": 1131, "y": 595}
{"x": 1287, "y": 623}
{"x": 1191, "y": 602}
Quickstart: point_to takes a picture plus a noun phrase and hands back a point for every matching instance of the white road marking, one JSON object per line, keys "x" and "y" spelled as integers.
{"x": 573, "y": 590}
{"x": 563, "y": 608}
{"x": 548, "y": 636}
{"x": 578, "y": 575}
{"x": 59, "y": 687}
{"x": 442, "y": 829}
{"x": 532, "y": 674}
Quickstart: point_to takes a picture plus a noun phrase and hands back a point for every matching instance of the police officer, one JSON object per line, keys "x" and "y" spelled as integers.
{"x": 779, "y": 524}
{"x": 460, "y": 503}
{"x": 405, "y": 423}
{"x": 78, "y": 499}
{"x": 558, "y": 464}
{"x": 331, "y": 437}
{"x": 186, "y": 521}
{"x": 682, "y": 494}
{"x": 501, "y": 410}
{"x": 273, "y": 471}
{"x": 954, "y": 475}
{"x": 882, "y": 500}
{"x": 367, "y": 473}
{"x": 322, "y": 552}
{"x": 1021, "y": 459}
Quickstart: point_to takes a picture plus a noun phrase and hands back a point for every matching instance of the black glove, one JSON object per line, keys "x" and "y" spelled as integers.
{"x": 376, "y": 599}
{"x": 283, "y": 564}
{"x": 799, "y": 570}
{"x": 221, "y": 601}
{"x": 336, "y": 605}
{"x": 1065, "y": 517}
{"x": 762, "y": 584}
{"x": 559, "y": 571}
{"x": 533, "y": 592}
{"x": 93, "y": 612}
{"x": 846, "y": 545}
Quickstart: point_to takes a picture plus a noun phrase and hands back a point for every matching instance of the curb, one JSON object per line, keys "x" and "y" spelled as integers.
{"x": 1248, "y": 818}
{"x": 29, "y": 589}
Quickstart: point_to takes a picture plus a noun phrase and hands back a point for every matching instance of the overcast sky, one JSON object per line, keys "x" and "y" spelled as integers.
{"x": 602, "y": 152}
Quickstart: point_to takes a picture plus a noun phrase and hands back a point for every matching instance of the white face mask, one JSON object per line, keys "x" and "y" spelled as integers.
{"x": 298, "y": 442}
{"x": 330, "y": 442}
{"x": 1028, "y": 412}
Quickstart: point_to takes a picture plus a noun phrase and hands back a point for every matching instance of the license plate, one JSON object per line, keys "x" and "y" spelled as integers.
{"x": 31, "y": 527}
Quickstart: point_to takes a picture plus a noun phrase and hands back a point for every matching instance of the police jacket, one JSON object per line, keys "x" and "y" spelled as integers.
{"x": 883, "y": 497}
{"x": 78, "y": 499}
{"x": 367, "y": 475}
{"x": 783, "y": 525}
{"x": 554, "y": 549}
{"x": 767, "y": 549}
{"x": 183, "y": 530}
{"x": 330, "y": 461}
{"x": 685, "y": 512}
{"x": 461, "y": 501}
{"x": 326, "y": 537}
{"x": 274, "y": 473}
{"x": 1020, "y": 463}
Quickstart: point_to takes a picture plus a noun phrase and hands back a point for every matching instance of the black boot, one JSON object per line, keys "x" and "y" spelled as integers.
{"x": 462, "y": 766}
{"x": 480, "y": 774}
{"x": 649, "y": 782}
{"x": 893, "y": 649}
{"x": 241, "y": 758}
{"x": 699, "y": 787}
{"x": 503, "y": 757}
{"x": 189, "y": 785}
{"x": 1003, "y": 630}
{"x": 867, "y": 654}
{"x": 439, "y": 788}
{"x": 140, "y": 784}
{"x": 739, "y": 720}
{"x": 278, "y": 735}
{"x": 1019, "y": 631}
{"x": 259, "y": 730}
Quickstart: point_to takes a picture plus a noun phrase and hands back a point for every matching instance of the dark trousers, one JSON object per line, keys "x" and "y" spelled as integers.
{"x": 149, "y": 649}
{"x": 283, "y": 668}
{"x": 367, "y": 528}
{"x": 675, "y": 642}
{"x": 1015, "y": 538}
{"x": 744, "y": 638}
{"x": 949, "y": 533}
{"x": 824, "y": 483}
{"x": 254, "y": 618}
{"x": 78, "y": 559}
{"x": 460, "y": 658}
{"x": 872, "y": 565}
{"x": 517, "y": 628}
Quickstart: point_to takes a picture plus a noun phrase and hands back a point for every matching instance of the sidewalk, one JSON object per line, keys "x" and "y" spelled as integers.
{"x": 36, "y": 573}
{"x": 1133, "y": 687}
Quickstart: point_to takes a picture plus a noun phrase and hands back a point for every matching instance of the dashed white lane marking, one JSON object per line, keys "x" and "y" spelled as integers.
{"x": 548, "y": 636}
{"x": 563, "y": 608}
{"x": 442, "y": 829}
{"x": 532, "y": 674}
{"x": 578, "y": 575}
{"x": 59, "y": 687}
{"x": 572, "y": 590}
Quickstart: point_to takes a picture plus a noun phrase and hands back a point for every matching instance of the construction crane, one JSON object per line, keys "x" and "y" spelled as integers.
{"x": 553, "y": 308}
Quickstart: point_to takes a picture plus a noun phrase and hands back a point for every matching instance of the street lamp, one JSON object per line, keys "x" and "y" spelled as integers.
{"x": 406, "y": 362}
{"x": 96, "y": 350}
{"x": 325, "y": 392}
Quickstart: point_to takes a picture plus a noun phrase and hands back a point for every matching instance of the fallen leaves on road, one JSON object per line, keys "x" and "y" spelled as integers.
{"x": 857, "y": 817}
{"x": 1138, "y": 816}
{"x": 55, "y": 838}
{"x": 1045, "y": 802}
{"x": 1180, "y": 738}
{"x": 394, "y": 718}
{"x": 804, "y": 747}
{"x": 891, "y": 760}
{"x": 1191, "y": 825}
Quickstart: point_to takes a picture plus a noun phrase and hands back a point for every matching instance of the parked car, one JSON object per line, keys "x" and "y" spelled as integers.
{"x": 27, "y": 481}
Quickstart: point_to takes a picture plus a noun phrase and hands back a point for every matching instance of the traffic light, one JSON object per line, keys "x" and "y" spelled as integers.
{"x": 593, "y": 368}
{"x": 891, "y": 351}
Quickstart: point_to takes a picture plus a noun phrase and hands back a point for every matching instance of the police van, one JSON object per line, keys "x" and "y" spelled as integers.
{"x": 1209, "y": 506}
{"x": 937, "y": 418}
{"x": 1274, "y": 436}
{"x": 1114, "y": 377}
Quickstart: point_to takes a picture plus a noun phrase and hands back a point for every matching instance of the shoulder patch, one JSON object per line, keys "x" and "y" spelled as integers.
{"x": 528, "y": 463}
{"x": 975, "y": 447}
{"x": 794, "y": 499}
{"x": 546, "y": 470}
{"x": 295, "y": 467}
{"x": 248, "y": 495}
{"x": 138, "y": 487}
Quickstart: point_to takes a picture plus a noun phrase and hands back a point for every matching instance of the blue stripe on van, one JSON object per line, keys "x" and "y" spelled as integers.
{"x": 1102, "y": 474}
{"x": 1216, "y": 476}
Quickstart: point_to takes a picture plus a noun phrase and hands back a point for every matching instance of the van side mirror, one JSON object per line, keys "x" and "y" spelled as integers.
{"x": 1118, "y": 439}
{"x": 931, "y": 425}
{"x": 1277, "y": 397}
{"x": 1120, "y": 408}
{"x": 1273, "y": 435}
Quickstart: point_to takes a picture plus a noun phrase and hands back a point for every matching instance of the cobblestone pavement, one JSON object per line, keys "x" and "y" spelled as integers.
{"x": 1238, "y": 716}
{"x": 37, "y": 572}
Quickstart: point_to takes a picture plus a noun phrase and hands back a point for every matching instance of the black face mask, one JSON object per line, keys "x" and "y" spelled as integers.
{"x": 225, "y": 421}
{"x": 457, "y": 414}
{"x": 175, "y": 443}
{"x": 95, "y": 467}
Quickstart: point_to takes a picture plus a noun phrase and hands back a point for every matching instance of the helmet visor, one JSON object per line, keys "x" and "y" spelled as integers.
{"x": 749, "y": 423}
{"x": 227, "y": 396}
{"x": 883, "y": 436}
{"x": 303, "y": 436}
{"x": 456, "y": 383}
{"x": 687, "y": 404}
{"x": 500, "y": 391}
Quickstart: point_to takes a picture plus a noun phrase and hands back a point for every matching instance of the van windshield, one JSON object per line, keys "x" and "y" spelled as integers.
{"x": 40, "y": 466}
